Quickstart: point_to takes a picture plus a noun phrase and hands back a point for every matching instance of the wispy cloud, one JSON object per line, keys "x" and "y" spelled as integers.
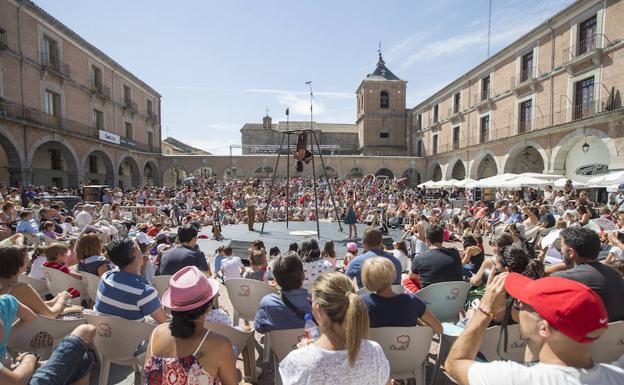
{"x": 330, "y": 94}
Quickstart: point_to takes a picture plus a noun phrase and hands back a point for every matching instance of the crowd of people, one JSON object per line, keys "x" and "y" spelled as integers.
{"x": 558, "y": 254}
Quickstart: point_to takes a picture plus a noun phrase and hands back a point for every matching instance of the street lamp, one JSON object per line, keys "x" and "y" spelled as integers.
{"x": 585, "y": 147}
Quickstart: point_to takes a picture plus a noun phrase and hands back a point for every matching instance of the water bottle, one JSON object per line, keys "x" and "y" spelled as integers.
{"x": 310, "y": 329}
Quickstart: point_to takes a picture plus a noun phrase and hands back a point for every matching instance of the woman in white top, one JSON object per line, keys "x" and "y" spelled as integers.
{"x": 616, "y": 240}
{"x": 400, "y": 253}
{"x": 341, "y": 355}
{"x": 313, "y": 265}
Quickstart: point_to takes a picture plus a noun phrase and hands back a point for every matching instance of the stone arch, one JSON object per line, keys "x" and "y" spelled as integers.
{"x": 173, "y": 176}
{"x": 431, "y": 168}
{"x": 355, "y": 172}
{"x": 151, "y": 174}
{"x": 331, "y": 172}
{"x": 413, "y": 176}
{"x": 560, "y": 151}
{"x": 525, "y": 156}
{"x": 385, "y": 172}
{"x": 477, "y": 161}
{"x": 232, "y": 172}
{"x": 11, "y": 159}
{"x": 128, "y": 172}
{"x": 454, "y": 167}
{"x": 437, "y": 173}
{"x": 100, "y": 170}
{"x": 53, "y": 162}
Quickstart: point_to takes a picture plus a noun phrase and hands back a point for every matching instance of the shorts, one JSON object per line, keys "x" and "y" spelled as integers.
{"x": 69, "y": 362}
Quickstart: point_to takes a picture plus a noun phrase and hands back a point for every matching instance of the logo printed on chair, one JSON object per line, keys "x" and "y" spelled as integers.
{"x": 520, "y": 344}
{"x": 245, "y": 290}
{"x": 104, "y": 330}
{"x": 41, "y": 340}
{"x": 454, "y": 294}
{"x": 299, "y": 339}
{"x": 403, "y": 343}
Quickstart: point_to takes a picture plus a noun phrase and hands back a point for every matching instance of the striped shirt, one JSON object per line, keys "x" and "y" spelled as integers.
{"x": 126, "y": 295}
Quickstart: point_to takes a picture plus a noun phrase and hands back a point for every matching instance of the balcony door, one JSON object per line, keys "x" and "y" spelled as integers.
{"x": 584, "y": 98}
{"x": 587, "y": 35}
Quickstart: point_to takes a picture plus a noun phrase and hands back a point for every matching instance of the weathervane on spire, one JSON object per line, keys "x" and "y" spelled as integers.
{"x": 379, "y": 50}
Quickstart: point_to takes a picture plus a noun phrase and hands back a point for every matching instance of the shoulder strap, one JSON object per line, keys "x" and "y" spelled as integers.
{"x": 201, "y": 343}
{"x": 292, "y": 307}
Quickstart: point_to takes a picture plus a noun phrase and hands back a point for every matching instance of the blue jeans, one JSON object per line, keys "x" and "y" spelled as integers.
{"x": 69, "y": 362}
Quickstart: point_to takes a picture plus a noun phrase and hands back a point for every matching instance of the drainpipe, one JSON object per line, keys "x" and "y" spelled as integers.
{"x": 552, "y": 94}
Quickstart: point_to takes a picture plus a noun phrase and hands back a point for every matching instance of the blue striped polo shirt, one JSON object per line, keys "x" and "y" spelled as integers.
{"x": 126, "y": 295}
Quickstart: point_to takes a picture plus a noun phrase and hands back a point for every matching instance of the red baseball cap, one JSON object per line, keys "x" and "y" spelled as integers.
{"x": 569, "y": 306}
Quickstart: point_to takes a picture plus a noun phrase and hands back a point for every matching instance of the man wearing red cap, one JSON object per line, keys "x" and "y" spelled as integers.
{"x": 559, "y": 317}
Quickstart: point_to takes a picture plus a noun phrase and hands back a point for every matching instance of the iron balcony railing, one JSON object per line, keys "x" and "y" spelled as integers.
{"x": 151, "y": 115}
{"x": 99, "y": 88}
{"x": 54, "y": 64}
{"x": 128, "y": 103}
{"x": 588, "y": 44}
{"x": 482, "y": 97}
{"x": 3, "y": 39}
{"x": 524, "y": 76}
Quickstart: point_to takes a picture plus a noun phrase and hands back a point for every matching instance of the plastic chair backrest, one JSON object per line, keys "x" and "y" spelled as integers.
{"x": 285, "y": 341}
{"x": 42, "y": 335}
{"x": 40, "y": 285}
{"x": 515, "y": 344}
{"x": 406, "y": 349}
{"x": 58, "y": 281}
{"x": 117, "y": 338}
{"x": 161, "y": 283}
{"x": 610, "y": 346}
{"x": 93, "y": 282}
{"x": 237, "y": 337}
{"x": 362, "y": 291}
{"x": 445, "y": 299}
{"x": 245, "y": 295}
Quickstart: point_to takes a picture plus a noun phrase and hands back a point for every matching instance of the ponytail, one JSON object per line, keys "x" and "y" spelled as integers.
{"x": 534, "y": 269}
{"x": 356, "y": 326}
{"x": 183, "y": 322}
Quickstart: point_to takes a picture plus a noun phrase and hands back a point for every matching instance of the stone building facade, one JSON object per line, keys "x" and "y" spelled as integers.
{"x": 69, "y": 114}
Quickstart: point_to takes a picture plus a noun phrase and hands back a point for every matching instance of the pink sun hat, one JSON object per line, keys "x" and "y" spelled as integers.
{"x": 189, "y": 289}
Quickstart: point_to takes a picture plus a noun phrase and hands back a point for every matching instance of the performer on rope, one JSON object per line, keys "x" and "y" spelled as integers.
{"x": 302, "y": 154}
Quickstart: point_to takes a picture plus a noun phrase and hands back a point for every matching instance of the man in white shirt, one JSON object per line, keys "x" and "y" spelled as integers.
{"x": 85, "y": 217}
{"x": 231, "y": 267}
{"x": 559, "y": 317}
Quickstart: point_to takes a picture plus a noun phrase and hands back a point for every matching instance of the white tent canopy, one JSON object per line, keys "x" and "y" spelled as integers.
{"x": 524, "y": 181}
{"x": 610, "y": 179}
{"x": 562, "y": 181}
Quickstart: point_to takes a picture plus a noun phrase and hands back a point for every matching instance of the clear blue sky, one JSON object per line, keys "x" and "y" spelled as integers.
{"x": 221, "y": 64}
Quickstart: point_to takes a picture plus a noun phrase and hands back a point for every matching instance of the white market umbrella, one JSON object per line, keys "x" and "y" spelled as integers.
{"x": 464, "y": 182}
{"x": 523, "y": 181}
{"x": 562, "y": 181}
{"x": 613, "y": 178}
{"x": 447, "y": 183}
{"x": 427, "y": 184}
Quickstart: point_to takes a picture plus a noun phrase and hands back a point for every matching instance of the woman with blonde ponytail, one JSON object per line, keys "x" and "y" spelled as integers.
{"x": 342, "y": 354}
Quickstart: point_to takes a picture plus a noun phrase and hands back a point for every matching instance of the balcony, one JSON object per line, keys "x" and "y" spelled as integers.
{"x": 586, "y": 52}
{"x": 525, "y": 81}
{"x": 52, "y": 64}
{"x": 455, "y": 114}
{"x": 22, "y": 114}
{"x": 151, "y": 116}
{"x": 524, "y": 126}
{"x": 483, "y": 101}
{"x": 97, "y": 88}
{"x": 3, "y": 40}
{"x": 130, "y": 105}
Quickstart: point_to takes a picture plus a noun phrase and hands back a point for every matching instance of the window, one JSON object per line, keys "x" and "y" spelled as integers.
{"x": 584, "y": 98}
{"x": 455, "y": 138}
{"x": 485, "y": 88}
{"x": 150, "y": 139}
{"x": 50, "y": 54}
{"x": 96, "y": 78}
{"x": 524, "y": 124}
{"x": 3, "y": 38}
{"x": 419, "y": 148}
{"x": 419, "y": 122}
{"x": 384, "y": 100}
{"x": 55, "y": 159}
{"x": 128, "y": 130}
{"x": 484, "y": 129}
{"x": 587, "y": 35}
{"x": 384, "y": 135}
{"x": 93, "y": 164}
{"x": 52, "y": 106}
{"x": 435, "y": 113}
{"x": 434, "y": 149}
{"x": 526, "y": 69}
{"x": 150, "y": 108}
{"x": 127, "y": 94}
{"x": 456, "y": 102}
{"x": 98, "y": 119}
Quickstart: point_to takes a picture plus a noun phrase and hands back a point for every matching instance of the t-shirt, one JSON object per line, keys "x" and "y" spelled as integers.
{"x": 30, "y": 227}
{"x": 36, "y": 271}
{"x": 312, "y": 365}
{"x": 57, "y": 266}
{"x": 179, "y": 257}
{"x": 217, "y": 262}
{"x": 602, "y": 279}
{"x": 312, "y": 270}
{"x": 126, "y": 295}
{"x": 509, "y": 372}
{"x": 231, "y": 267}
{"x": 8, "y": 313}
{"x": 618, "y": 253}
{"x": 92, "y": 264}
{"x": 355, "y": 266}
{"x": 547, "y": 220}
{"x": 438, "y": 265}
{"x": 273, "y": 314}
{"x": 416, "y": 246}
{"x": 400, "y": 310}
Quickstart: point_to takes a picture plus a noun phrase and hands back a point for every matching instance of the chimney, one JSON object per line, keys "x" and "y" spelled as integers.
{"x": 266, "y": 122}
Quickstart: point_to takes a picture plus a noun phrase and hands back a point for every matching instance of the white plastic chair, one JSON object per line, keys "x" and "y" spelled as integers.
{"x": 399, "y": 289}
{"x": 240, "y": 340}
{"x": 58, "y": 281}
{"x": 116, "y": 341}
{"x": 283, "y": 342}
{"x": 93, "y": 282}
{"x": 445, "y": 299}
{"x": 610, "y": 346}
{"x": 42, "y": 335}
{"x": 40, "y": 285}
{"x": 406, "y": 349}
{"x": 161, "y": 283}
